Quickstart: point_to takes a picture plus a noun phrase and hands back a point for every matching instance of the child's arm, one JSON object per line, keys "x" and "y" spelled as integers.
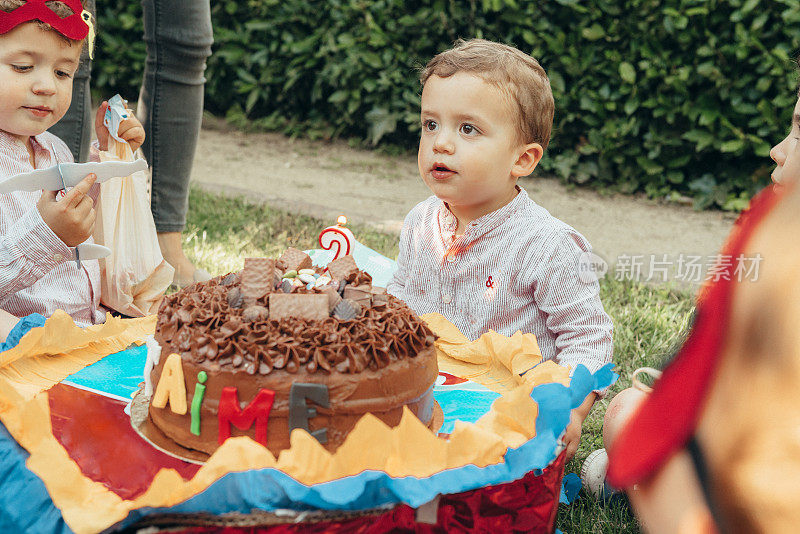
{"x": 572, "y": 436}
{"x": 40, "y": 239}
{"x": 576, "y": 316}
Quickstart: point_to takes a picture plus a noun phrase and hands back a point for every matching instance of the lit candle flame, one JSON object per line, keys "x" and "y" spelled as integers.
{"x": 341, "y": 221}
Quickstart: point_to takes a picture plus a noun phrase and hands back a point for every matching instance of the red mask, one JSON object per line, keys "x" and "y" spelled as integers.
{"x": 73, "y": 27}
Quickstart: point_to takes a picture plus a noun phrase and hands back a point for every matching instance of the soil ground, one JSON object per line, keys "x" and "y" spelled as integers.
{"x": 328, "y": 179}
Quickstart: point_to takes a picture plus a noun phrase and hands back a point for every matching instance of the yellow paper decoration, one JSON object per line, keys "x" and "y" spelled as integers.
{"x": 409, "y": 449}
{"x": 47, "y": 355}
{"x": 498, "y": 362}
{"x": 171, "y": 386}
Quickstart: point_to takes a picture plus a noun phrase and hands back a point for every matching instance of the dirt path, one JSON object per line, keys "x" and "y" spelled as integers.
{"x": 330, "y": 179}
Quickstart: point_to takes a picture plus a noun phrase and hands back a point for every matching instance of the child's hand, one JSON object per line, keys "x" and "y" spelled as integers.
{"x": 130, "y": 130}
{"x": 71, "y": 218}
{"x": 572, "y": 436}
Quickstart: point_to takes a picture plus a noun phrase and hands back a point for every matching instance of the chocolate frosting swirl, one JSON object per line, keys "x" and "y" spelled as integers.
{"x": 203, "y": 324}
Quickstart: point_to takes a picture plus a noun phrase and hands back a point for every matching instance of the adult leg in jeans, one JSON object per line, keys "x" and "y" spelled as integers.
{"x": 178, "y": 36}
{"x": 75, "y": 128}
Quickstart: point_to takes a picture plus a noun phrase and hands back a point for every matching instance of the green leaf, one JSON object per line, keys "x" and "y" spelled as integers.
{"x": 594, "y": 32}
{"x": 734, "y": 145}
{"x": 627, "y": 72}
{"x": 675, "y": 177}
{"x": 252, "y": 98}
{"x": 381, "y": 122}
{"x": 339, "y": 96}
{"x": 649, "y": 166}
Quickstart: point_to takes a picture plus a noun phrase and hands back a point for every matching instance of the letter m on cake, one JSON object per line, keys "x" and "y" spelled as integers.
{"x": 229, "y": 413}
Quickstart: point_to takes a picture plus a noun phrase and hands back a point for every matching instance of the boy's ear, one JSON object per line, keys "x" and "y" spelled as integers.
{"x": 528, "y": 160}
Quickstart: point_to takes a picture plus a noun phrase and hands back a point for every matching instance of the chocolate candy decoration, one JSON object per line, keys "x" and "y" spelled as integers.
{"x": 361, "y": 294}
{"x": 344, "y": 268}
{"x": 300, "y": 412}
{"x": 258, "y": 278}
{"x": 286, "y": 286}
{"x": 333, "y": 297}
{"x": 347, "y": 310}
{"x": 255, "y": 313}
{"x": 379, "y": 295}
{"x": 235, "y": 297}
{"x": 305, "y": 306}
{"x": 294, "y": 259}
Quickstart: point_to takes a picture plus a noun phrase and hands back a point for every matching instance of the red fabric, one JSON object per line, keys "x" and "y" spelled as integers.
{"x": 97, "y": 435}
{"x": 526, "y": 505}
{"x": 73, "y": 26}
{"x": 667, "y": 418}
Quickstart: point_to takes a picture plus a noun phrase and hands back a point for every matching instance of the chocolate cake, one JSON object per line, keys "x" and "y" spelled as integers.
{"x": 281, "y": 345}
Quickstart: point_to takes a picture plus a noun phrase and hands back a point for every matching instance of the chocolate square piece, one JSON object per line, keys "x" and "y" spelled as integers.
{"x": 379, "y": 295}
{"x": 333, "y": 296}
{"x": 344, "y": 268}
{"x": 312, "y": 306}
{"x": 361, "y": 294}
{"x": 294, "y": 260}
{"x": 346, "y": 310}
{"x": 258, "y": 278}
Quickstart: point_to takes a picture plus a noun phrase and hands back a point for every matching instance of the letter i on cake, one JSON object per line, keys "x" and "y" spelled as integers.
{"x": 282, "y": 345}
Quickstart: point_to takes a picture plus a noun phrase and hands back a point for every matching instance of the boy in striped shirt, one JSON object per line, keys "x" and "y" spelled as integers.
{"x": 480, "y": 251}
{"x": 39, "y": 49}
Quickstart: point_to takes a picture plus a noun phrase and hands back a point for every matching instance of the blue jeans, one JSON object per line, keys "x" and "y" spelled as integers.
{"x": 178, "y": 36}
{"x": 75, "y": 128}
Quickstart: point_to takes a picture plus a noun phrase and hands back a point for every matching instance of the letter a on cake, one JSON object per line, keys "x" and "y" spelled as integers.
{"x": 171, "y": 386}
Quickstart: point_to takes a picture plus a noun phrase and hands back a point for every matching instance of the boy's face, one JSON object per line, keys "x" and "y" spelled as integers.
{"x": 469, "y": 148}
{"x": 36, "y": 70}
{"x": 787, "y": 153}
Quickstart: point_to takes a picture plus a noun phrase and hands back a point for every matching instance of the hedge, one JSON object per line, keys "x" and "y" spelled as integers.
{"x": 672, "y": 98}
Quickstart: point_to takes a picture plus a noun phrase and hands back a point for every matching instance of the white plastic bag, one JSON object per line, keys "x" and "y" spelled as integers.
{"x": 135, "y": 276}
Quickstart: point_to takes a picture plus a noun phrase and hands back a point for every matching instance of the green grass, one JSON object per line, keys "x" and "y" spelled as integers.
{"x": 650, "y": 322}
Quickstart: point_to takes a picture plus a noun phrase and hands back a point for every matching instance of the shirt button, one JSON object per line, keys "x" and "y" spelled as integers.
{"x": 450, "y": 258}
{"x": 447, "y": 299}
{"x": 58, "y": 256}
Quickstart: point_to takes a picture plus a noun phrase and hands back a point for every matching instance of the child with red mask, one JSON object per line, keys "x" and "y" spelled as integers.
{"x": 40, "y": 47}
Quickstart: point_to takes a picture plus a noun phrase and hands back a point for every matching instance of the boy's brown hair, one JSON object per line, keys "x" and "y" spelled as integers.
{"x": 513, "y": 72}
{"x": 59, "y": 8}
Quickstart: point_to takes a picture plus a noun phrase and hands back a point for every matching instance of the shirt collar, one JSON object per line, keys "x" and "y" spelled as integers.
{"x": 448, "y": 222}
{"x": 13, "y": 148}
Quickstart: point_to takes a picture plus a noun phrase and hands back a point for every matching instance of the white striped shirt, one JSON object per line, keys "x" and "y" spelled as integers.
{"x": 38, "y": 273}
{"x": 513, "y": 269}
